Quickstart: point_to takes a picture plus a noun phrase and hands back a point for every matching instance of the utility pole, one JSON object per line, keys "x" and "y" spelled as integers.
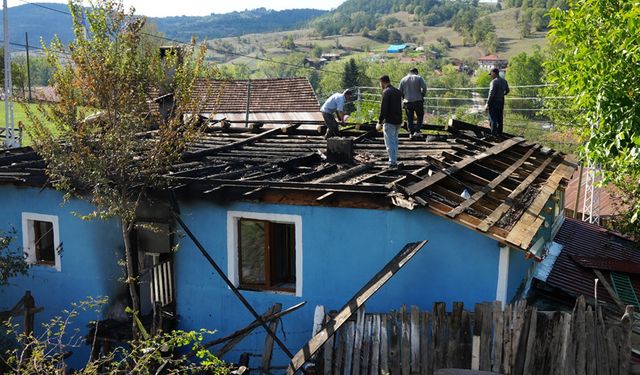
{"x": 9, "y": 136}
{"x": 26, "y": 39}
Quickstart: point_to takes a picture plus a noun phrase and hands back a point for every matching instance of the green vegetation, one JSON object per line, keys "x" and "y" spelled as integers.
{"x": 595, "y": 61}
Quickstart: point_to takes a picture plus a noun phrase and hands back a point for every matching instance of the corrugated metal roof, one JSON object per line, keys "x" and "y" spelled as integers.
{"x": 581, "y": 239}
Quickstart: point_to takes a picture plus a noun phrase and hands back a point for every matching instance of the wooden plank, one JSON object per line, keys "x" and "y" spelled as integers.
{"x": 268, "y": 344}
{"x": 518, "y": 325}
{"x": 366, "y": 346}
{"x": 394, "y": 343}
{"x": 590, "y": 343}
{"x": 425, "y": 353}
{"x": 477, "y": 330}
{"x": 339, "y": 354}
{"x": 439, "y": 335}
{"x": 526, "y": 228}
{"x": 454, "y": 344}
{"x": 613, "y": 335}
{"x": 529, "y": 351}
{"x": 567, "y": 357}
{"x": 507, "y": 332}
{"x": 496, "y": 351}
{"x": 625, "y": 342}
{"x": 579, "y": 335}
{"x": 354, "y": 304}
{"x": 415, "y": 340}
{"x": 493, "y": 184}
{"x": 357, "y": 344}
{"x": 605, "y": 282}
{"x": 384, "y": 344}
{"x": 436, "y": 177}
{"x": 405, "y": 350}
{"x": 327, "y": 352}
{"x": 466, "y": 339}
{"x": 375, "y": 344}
{"x": 485, "y": 337}
{"x": 602, "y": 363}
{"x": 496, "y": 215}
{"x": 520, "y": 352}
{"x": 348, "y": 348}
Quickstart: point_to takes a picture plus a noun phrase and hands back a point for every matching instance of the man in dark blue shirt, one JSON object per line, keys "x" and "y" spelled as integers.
{"x": 495, "y": 102}
{"x": 391, "y": 118}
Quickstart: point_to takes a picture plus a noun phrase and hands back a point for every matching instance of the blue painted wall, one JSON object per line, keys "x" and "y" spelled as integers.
{"x": 519, "y": 268}
{"x": 342, "y": 250}
{"x": 89, "y": 261}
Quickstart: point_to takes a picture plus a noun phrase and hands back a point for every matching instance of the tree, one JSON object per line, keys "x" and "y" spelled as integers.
{"x": 350, "y": 74}
{"x": 288, "y": 43}
{"x": 12, "y": 261}
{"x": 595, "y": 61}
{"x": 526, "y": 70}
{"x": 124, "y": 150}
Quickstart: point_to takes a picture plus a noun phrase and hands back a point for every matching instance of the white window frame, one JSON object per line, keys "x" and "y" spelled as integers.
{"x": 232, "y": 243}
{"x": 28, "y": 240}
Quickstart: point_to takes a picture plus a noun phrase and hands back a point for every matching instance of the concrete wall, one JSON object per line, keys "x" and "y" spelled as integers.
{"x": 88, "y": 261}
{"x": 342, "y": 250}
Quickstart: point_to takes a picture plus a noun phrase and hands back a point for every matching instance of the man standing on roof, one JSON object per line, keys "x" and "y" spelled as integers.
{"x": 495, "y": 102}
{"x": 414, "y": 88}
{"x": 391, "y": 118}
{"x": 335, "y": 104}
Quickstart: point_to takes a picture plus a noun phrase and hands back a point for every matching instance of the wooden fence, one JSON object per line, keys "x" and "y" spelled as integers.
{"x": 518, "y": 340}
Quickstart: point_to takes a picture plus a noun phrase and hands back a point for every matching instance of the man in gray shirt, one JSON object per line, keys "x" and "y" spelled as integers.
{"x": 414, "y": 88}
{"x": 495, "y": 102}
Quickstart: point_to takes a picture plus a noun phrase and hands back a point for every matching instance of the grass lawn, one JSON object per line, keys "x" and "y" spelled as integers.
{"x": 19, "y": 115}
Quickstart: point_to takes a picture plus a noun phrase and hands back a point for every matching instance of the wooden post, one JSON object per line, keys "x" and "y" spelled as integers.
{"x": 268, "y": 343}
{"x": 29, "y": 308}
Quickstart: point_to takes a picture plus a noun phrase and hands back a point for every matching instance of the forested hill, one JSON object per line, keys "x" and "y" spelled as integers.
{"x": 44, "y": 20}
{"x": 235, "y": 23}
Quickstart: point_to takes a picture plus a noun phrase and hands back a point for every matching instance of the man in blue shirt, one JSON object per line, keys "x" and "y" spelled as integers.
{"x": 335, "y": 104}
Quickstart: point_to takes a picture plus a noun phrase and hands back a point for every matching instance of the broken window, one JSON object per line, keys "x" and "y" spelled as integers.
{"x": 266, "y": 255}
{"x": 40, "y": 239}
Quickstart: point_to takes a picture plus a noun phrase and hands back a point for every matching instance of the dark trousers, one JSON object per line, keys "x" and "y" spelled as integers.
{"x": 418, "y": 109}
{"x": 496, "y": 114}
{"x": 332, "y": 124}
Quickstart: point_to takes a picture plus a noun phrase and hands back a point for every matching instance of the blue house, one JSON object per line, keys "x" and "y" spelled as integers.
{"x": 292, "y": 217}
{"x": 396, "y": 48}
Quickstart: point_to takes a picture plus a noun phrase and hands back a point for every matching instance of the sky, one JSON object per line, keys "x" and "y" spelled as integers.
{"x": 163, "y": 8}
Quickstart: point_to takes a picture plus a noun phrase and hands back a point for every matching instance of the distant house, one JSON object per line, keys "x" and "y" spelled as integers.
{"x": 413, "y": 60}
{"x": 492, "y": 61}
{"x": 314, "y": 63}
{"x": 271, "y": 101}
{"x": 397, "y": 48}
{"x": 292, "y": 217}
{"x": 331, "y": 56}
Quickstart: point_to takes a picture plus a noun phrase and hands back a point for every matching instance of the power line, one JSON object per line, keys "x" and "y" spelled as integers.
{"x": 207, "y": 46}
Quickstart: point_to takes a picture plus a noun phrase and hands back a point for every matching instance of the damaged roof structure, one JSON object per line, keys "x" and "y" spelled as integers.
{"x": 508, "y": 179}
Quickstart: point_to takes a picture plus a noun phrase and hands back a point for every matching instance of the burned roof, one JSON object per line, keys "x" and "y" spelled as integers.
{"x": 507, "y": 179}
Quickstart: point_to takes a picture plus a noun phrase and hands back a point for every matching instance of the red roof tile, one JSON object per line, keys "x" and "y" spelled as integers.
{"x": 581, "y": 239}
{"x": 610, "y": 203}
{"x": 267, "y": 95}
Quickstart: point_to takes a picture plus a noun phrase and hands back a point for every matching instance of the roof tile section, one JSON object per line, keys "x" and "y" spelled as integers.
{"x": 265, "y": 95}
{"x": 581, "y": 242}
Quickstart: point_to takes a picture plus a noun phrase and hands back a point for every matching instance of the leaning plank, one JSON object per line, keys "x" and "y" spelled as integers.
{"x": 419, "y": 186}
{"x": 354, "y": 304}
{"x": 268, "y": 344}
{"x": 233, "y": 341}
{"x": 493, "y": 184}
{"x": 504, "y": 207}
{"x": 251, "y": 326}
{"x": 604, "y": 281}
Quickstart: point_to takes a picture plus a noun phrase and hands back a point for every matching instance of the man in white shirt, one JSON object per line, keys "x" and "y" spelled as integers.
{"x": 335, "y": 104}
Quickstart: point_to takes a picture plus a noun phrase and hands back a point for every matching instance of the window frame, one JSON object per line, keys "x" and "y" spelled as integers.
{"x": 233, "y": 250}
{"x": 28, "y": 239}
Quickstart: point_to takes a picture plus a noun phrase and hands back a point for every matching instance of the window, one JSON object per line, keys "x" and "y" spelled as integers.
{"x": 41, "y": 240}
{"x": 264, "y": 252}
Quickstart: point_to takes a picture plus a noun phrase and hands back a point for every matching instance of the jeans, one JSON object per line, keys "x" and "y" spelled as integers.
{"x": 496, "y": 117}
{"x": 418, "y": 109}
{"x": 391, "y": 141}
{"x": 332, "y": 124}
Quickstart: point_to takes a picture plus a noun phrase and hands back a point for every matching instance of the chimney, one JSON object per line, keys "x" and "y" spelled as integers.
{"x": 340, "y": 150}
